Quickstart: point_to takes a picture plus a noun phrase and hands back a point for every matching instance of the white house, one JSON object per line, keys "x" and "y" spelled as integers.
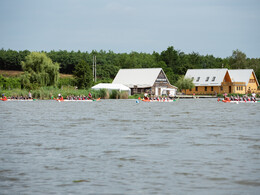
{"x": 146, "y": 80}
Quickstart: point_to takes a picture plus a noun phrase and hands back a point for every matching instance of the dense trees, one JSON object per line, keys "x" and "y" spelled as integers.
{"x": 83, "y": 75}
{"x": 39, "y": 71}
{"x": 238, "y": 60}
{"x": 174, "y": 62}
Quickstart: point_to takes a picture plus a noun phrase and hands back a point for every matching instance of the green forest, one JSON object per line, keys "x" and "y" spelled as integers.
{"x": 174, "y": 62}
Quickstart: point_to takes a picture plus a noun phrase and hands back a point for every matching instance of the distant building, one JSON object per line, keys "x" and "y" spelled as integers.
{"x": 146, "y": 80}
{"x": 244, "y": 81}
{"x": 219, "y": 81}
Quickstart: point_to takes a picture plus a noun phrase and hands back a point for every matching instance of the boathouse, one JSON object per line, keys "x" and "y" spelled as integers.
{"x": 219, "y": 81}
{"x": 146, "y": 80}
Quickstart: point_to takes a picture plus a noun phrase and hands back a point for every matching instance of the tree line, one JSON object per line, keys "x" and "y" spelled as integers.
{"x": 174, "y": 62}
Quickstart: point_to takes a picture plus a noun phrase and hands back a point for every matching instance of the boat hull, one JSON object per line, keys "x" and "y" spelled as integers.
{"x": 159, "y": 101}
{"x": 236, "y": 102}
{"x": 14, "y": 100}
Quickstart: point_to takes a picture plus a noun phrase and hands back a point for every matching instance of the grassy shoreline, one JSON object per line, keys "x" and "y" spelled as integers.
{"x": 46, "y": 93}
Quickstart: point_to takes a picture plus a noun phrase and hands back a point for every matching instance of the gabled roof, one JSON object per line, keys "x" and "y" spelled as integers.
{"x": 142, "y": 77}
{"x": 207, "y": 77}
{"x": 241, "y": 75}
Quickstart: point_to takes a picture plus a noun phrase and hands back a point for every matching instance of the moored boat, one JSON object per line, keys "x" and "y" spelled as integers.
{"x": 236, "y": 102}
{"x": 147, "y": 100}
{"x": 75, "y": 100}
{"x": 18, "y": 100}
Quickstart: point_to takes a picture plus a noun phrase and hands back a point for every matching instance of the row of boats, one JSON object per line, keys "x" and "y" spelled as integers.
{"x": 145, "y": 99}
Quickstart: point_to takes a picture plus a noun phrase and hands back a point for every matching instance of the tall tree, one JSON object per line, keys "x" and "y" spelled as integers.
{"x": 39, "y": 70}
{"x": 83, "y": 75}
{"x": 170, "y": 57}
{"x": 238, "y": 60}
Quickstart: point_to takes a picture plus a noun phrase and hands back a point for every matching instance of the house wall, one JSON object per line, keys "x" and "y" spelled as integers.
{"x": 200, "y": 90}
{"x": 239, "y": 87}
{"x": 158, "y": 88}
{"x": 211, "y": 90}
{"x": 252, "y": 84}
{"x": 140, "y": 90}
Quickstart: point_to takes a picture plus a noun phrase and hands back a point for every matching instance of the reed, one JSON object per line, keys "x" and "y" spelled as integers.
{"x": 45, "y": 93}
{"x": 123, "y": 95}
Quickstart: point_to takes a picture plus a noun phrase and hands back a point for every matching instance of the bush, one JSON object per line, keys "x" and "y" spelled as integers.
{"x": 136, "y": 96}
{"x": 123, "y": 95}
{"x": 102, "y": 93}
{"x": 10, "y": 82}
{"x": 114, "y": 94}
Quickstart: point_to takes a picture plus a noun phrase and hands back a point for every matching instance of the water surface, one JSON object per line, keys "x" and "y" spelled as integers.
{"x": 121, "y": 147}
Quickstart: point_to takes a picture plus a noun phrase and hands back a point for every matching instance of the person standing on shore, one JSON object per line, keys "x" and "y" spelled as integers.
{"x": 253, "y": 96}
{"x": 29, "y": 95}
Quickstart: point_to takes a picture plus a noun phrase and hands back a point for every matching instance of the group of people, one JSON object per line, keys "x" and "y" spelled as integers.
{"x": 29, "y": 97}
{"x": 243, "y": 98}
{"x": 72, "y": 97}
{"x": 158, "y": 98}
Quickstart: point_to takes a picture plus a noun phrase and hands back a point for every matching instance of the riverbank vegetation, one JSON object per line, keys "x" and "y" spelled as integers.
{"x": 78, "y": 67}
{"x": 46, "y": 93}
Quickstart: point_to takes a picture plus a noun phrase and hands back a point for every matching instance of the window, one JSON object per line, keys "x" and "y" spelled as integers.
{"x": 237, "y": 88}
{"x": 241, "y": 88}
{"x": 192, "y": 78}
{"x": 221, "y": 88}
{"x": 198, "y": 79}
{"x": 190, "y": 90}
{"x": 207, "y": 79}
{"x": 196, "y": 88}
{"x": 213, "y": 79}
{"x": 251, "y": 80}
{"x": 206, "y": 88}
{"x": 212, "y": 88}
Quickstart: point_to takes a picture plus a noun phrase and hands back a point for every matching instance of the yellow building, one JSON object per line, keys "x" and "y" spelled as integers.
{"x": 243, "y": 81}
{"x": 219, "y": 81}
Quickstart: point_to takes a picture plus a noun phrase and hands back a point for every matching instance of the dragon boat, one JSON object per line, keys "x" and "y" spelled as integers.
{"x": 75, "y": 100}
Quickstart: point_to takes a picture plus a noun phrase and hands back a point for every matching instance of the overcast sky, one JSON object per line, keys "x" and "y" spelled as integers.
{"x": 214, "y": 27}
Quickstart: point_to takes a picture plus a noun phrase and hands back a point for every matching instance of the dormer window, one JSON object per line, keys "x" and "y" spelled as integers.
{"x": 198, "y": 79}
{"x": 213, "y": 79}
{"x": 207, "y": 79}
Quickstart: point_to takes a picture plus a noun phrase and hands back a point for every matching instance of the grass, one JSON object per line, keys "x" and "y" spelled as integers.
{"x": 45, "y": 93}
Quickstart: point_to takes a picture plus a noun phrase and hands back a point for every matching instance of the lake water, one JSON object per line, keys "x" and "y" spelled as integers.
{"x": 197, "y": 146}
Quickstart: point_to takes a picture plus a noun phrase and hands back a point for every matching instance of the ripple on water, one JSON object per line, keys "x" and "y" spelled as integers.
{"x": 248, "y": 183}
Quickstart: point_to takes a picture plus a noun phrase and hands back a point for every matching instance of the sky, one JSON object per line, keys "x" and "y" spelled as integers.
{"x": 207, "y": 27}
